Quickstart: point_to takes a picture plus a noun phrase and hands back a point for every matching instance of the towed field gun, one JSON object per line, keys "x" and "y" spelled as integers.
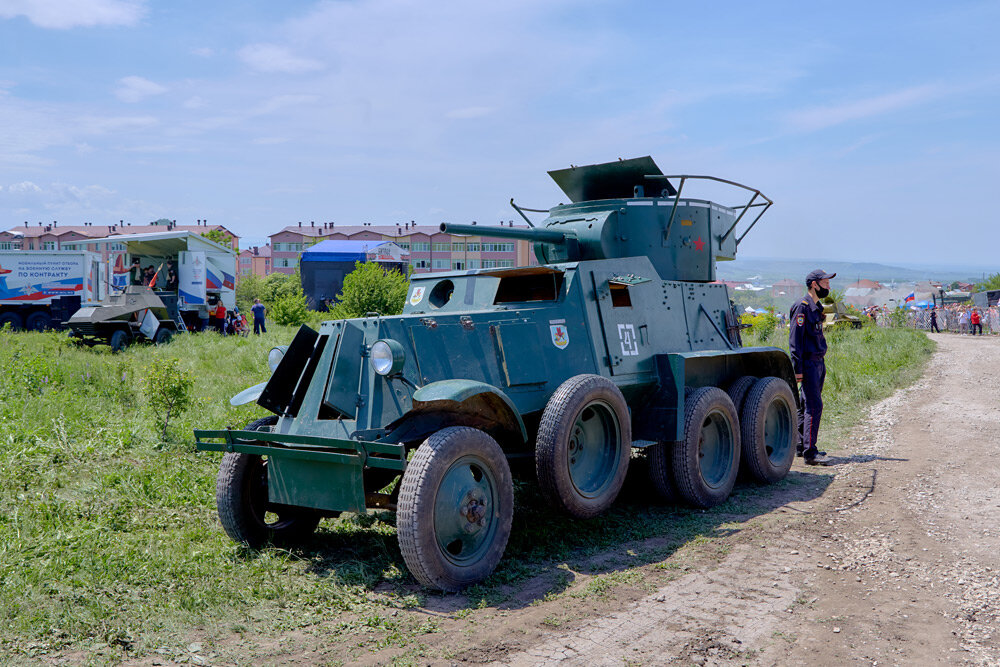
{"x": 619, "y": 340}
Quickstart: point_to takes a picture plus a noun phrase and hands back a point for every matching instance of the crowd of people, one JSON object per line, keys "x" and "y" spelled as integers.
{"x": 957, "y": 318}
{"x": 226, "y": 322}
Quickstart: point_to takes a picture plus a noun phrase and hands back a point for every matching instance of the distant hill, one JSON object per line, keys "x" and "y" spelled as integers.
{"x": 772, "y": 270}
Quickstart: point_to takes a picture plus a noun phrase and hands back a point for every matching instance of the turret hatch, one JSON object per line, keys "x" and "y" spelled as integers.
{"x": 612, "y": 180}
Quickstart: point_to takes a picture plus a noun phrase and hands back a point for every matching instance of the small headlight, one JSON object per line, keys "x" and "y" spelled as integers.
{"x": 275, "y": 356}
{"x": 387, "y": 357}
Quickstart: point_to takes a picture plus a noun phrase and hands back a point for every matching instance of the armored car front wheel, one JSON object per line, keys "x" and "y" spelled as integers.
{"x": 583, "y": 445}
{"x": 119, "y": 340}
{"x": 246, "y": 514}
{"x": 706, "y": 461}
{"x": 456, "y": 505}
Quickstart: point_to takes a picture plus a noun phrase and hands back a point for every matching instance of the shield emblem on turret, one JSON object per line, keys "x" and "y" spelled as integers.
{"x": 418, "y": 294}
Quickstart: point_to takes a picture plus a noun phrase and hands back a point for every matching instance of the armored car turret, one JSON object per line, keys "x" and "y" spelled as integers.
{"x": 618, "y": 340}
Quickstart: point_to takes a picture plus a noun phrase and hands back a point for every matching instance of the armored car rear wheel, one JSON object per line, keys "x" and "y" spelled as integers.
{"x": 706, "y": 461}
{"x": 583, "y": 445}
{"x": 163, "y": 336}
{"x": 245, "y": 512}
{"x": 456, "y": 505}
{"x": 768, "y": 430}
{"x": 661, "y": 471}
{"x": 738, "y": 391}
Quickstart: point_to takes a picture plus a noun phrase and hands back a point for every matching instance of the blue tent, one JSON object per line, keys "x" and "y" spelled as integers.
{"x": 324, "y": 265}
{"x": 341, "y": 251}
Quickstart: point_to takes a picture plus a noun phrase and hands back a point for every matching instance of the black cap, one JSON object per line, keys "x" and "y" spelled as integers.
{"x": 818, "y": 274}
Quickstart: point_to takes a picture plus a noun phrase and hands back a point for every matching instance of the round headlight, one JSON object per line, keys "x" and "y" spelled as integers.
{"x": 275, "y": 356}
{"x": 387, "y": 357}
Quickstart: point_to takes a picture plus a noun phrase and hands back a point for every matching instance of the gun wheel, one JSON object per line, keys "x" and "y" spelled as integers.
{"x": 768, "y": 430}
{"x": 583, "y": 445}
{"x": 246, "y": 514}
{"x": 456, "y": 505}
{"x": 706, "y": 461}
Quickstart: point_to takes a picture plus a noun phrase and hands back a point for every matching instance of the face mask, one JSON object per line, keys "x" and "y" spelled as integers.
{"x": 822, "y": 293}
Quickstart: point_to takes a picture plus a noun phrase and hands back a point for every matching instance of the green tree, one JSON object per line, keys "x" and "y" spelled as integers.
{"x": 268, "y": 289}
{"x": 289, "y": 308}
{"x": 168, "y": 388}
{"x": 219, "y": 237}
{"x": 991, "y": 282}
{"x": 370, "y": 288}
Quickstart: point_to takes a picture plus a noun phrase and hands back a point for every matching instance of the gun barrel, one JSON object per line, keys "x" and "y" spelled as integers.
{"x": 532, "y": 234}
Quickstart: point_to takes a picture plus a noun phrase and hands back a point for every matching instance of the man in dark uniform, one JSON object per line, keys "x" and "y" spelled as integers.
{"x": 135, "y": 272}
{"x": 808, "y": 347}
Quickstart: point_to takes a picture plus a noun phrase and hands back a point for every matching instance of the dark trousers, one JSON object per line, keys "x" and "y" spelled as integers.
{"x": 934, "y": 326}
{"x": 258, "y": 326}
{"x": 977, "y": 325}
{"x": 811, "y": 393}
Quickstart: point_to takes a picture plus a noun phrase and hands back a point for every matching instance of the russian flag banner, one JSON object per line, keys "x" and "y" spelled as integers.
{"x": 909, "y": 297}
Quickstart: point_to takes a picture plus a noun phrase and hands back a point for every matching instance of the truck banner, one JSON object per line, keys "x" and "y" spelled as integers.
{"x": 218, "y": 277}
{"x": 39, "y": 277}
{"x": 192, "y": 274}
{"x": 119, "y": 275}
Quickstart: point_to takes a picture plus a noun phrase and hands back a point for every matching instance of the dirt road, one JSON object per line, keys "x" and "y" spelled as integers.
{"x": 895, "y": 562}
{"x": 889, "y": 557}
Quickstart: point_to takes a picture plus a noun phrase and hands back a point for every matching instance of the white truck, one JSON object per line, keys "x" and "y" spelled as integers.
{"x": 206, "y": 273}
{"x": 41, "y": 289}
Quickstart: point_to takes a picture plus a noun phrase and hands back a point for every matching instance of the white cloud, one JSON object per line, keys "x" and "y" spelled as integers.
{"x": 203, "y": 52}
{"x": 64, "y": 14}
{"x": 193, "y": 103}
{"x": 274, "y": 58}
{"x": 136, "y": 89}
{"x": 24, "y": 187}
{"x": 469, "y": 112}
{"x": 818, "y": 118}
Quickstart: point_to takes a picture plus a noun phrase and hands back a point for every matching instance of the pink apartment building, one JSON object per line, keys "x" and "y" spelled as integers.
{"x": 430, "y": 249}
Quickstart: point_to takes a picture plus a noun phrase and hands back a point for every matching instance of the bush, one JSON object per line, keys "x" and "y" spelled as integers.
{"x": 269, "y": 289}
{"x": 168, "y": 388}
{"x": 761, "y": 326}
{"x": 370, "y": 288}
{"x": 290, "y": 309}
{"x": 898, "y": 318}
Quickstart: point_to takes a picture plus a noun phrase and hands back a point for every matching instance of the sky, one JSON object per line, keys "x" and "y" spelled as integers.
{"x": 872, "y": 126}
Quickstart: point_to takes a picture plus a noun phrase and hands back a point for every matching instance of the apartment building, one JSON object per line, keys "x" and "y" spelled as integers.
{"x": 255, "y": 261}
{"x": 430, "y": 249}
{"x": 78, "y": 237}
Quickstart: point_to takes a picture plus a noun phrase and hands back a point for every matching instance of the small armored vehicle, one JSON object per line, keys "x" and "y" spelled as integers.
{"x": 837, "y": 315}
{"x": 136, "y": 313}
{"x": 619, "y": 341}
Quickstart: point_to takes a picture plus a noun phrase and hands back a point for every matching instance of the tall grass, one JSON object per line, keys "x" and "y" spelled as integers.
{"x": 862, "y": 366}
{"x": 109, "y": 541}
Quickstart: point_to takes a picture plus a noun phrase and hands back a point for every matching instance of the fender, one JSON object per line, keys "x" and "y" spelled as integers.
{"x": 662, "y": 418}
{"x": 460, "y": 403}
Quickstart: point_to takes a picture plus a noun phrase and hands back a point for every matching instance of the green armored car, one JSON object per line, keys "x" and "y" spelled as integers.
{"x": 619, "y": 341}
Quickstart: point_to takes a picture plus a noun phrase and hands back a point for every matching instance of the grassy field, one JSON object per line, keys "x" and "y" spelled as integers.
{"x": 110, "y": 547}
